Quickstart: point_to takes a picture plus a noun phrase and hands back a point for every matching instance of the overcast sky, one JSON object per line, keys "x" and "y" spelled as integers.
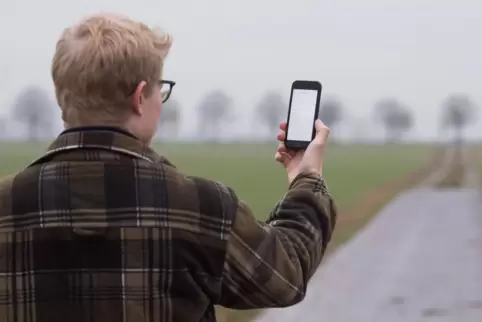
{"x": 416, "y": 50}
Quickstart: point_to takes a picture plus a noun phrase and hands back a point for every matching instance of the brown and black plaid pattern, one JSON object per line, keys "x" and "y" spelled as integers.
{"x": 101, "y": 228}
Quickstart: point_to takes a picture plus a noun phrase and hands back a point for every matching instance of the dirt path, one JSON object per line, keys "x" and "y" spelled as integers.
{"x": 420, "y": 259}
{"x": 442, "y": 171}
{"x": 472, "y": 177}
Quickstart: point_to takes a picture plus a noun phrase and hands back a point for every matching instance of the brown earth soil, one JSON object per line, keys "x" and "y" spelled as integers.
{"x": 455, "y": 174}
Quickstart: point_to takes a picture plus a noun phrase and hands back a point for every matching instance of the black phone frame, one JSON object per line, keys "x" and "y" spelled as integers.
{"x": 309, "y": 85}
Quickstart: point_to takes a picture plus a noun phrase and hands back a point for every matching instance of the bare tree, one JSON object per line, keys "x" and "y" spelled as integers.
{"x": 33, "y": 108}
{"x": 457, "y": 114}
{"x": 271, "y": 110}
{"x": 331, "y": 111}
{"x": 215, "y": 109}
{"x": 170, "y": 118}
{"x": 3, "y": 127}
{"x": 395, "y": 117}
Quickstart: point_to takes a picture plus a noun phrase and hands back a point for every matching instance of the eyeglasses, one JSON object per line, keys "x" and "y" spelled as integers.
{"x": 166, "y": 89}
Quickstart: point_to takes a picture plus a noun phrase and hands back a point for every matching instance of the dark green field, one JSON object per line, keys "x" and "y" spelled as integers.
{"x": 251, "y": 170}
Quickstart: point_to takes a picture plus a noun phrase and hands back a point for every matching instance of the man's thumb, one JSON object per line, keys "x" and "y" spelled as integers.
{"x": 322, "y": 131}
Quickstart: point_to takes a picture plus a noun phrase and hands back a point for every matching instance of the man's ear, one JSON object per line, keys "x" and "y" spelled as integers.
{"x": 138, "y": 97}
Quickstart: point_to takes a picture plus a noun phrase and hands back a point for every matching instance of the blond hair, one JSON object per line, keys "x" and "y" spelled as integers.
{"x": 99, "y": 62}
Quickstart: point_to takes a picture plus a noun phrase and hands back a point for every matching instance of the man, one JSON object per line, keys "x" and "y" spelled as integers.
{"x": 101, "y": 228}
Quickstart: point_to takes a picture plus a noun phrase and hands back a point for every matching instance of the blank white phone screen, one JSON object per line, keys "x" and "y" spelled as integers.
{"x": 303, "y": 106}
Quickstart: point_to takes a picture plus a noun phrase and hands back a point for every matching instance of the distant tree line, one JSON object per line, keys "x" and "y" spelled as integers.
{"x": 33, "y": 108}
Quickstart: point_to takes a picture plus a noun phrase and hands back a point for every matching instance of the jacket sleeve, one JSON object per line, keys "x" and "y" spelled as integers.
{"x": 269, "y": 264}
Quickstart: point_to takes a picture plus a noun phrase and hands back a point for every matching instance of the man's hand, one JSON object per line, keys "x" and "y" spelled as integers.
{"x": 298, "y": 161}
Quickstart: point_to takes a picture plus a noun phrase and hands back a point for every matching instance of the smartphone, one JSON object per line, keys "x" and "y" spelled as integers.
{"x": 302, "y": 113}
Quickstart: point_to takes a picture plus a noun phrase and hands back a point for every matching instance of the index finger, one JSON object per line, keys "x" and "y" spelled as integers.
{"x": 283, "y": 125}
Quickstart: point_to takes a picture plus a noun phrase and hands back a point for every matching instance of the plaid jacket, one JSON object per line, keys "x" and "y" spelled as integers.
{"x": 101, "y": 228}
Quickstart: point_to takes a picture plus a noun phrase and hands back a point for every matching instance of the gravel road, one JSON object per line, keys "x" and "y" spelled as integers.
{"x": 420, "y": 259}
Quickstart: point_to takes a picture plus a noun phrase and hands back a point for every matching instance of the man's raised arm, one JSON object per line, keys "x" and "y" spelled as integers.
{"x": 269, "y": 264}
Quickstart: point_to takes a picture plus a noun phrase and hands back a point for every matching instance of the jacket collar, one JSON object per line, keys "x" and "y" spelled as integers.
{"x": 101, "y": 138}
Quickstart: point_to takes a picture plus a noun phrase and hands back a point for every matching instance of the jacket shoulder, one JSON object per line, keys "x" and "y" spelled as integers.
{"x": 6, "y": 182}
{"x": 209, "y": 198}
{"x": 6, "y": 187}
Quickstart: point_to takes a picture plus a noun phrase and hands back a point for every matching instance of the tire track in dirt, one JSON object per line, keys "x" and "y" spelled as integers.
{"x": 443, "y": 168}
{"x": 471, "y": 176}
